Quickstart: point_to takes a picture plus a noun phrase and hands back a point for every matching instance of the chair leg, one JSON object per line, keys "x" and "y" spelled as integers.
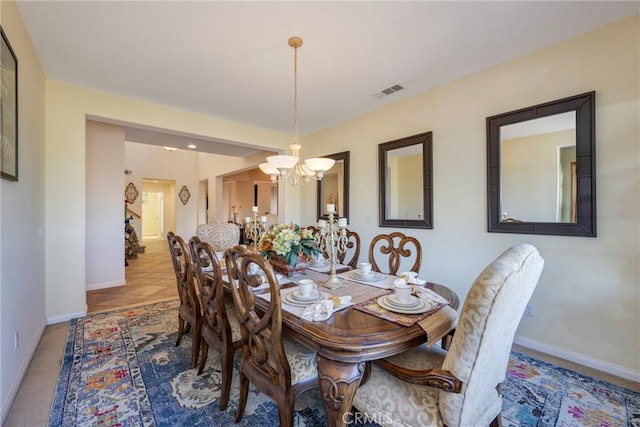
{"x": 204, "y": 351}
{"x": 244, "y": 391}
{"x": 180, "y": 330}
{"x": 497, "y": 421}
{"x": 227, "y": 375}
{"x": 285, "y": 412}
{"x": 196, "y": 345}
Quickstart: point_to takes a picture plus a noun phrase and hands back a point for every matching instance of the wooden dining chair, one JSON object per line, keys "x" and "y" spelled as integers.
{"x": 396, "y": 248}
{"x": 189, "y": 311}
{"x": 278, "y": 367}
{"x": 461, "y": 386}
{"x": 220, "y": 328}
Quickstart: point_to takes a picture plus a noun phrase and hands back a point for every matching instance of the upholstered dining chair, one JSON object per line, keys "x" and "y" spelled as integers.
{"x": 395, "y": 247}
{"x": 220, "y": 328}
{"x": 461, "y": 387}
{"x": 278, "y": 367}
{"x": 220, "y": 235}
{"x": 189, "y": 311}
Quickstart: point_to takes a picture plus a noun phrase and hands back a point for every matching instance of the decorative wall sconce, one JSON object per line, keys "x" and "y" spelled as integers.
{"x": 184, "y": 195}
{"x": 131, "y": 193}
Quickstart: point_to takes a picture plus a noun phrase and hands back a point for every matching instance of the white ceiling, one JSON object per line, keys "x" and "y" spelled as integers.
{"x": 231, "y": 59}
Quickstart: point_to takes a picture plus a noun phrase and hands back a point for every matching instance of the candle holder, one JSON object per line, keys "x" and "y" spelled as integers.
{"x": 254, "y": 230}
{"x": 332, "y": 239}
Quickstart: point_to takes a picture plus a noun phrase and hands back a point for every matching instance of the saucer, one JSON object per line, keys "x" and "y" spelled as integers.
{"x": 291, "y": 300}
{"x": 422, "y": 307}
{"x": 321, "y": 263}
{"x": 394, "y": 300}
{"x": 297, "y": 295}
{"x": 371, "y": 277}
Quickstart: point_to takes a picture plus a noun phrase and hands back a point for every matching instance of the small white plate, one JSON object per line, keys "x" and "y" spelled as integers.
{"x": 288, "y": 299}
{"x": 372, "y": 277}
{"x": 297, "y": 295}
{"x": 422, "y": 307}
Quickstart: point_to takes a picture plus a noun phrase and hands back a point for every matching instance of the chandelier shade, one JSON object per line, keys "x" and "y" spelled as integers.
{"x": 289, "y": 167}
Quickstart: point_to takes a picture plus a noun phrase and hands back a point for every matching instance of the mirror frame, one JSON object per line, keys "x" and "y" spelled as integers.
{"x": 427, "y": 181}
{"x": 344, "y": 156}
{"x": 585, "y": 225}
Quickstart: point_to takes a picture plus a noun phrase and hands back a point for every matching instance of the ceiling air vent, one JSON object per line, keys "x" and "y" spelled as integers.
{"x": 388, "y": 91}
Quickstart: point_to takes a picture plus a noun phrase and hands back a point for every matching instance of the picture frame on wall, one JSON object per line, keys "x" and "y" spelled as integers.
{"x": 8, "y": 110}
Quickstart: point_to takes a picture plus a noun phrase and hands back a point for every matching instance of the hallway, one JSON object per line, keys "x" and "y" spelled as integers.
{"x": 150, "y": 278}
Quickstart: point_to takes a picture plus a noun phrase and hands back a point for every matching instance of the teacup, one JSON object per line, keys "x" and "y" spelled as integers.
{"x": 365, "y": 268}
{"x": 307, "y": 287}
{"x": 403, "y": 292}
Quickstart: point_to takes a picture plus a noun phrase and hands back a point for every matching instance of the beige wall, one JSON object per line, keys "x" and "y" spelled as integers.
{"x": 587, "y": 304}
{"x": 68, "y": 108}
{"x": 22, "y": 219}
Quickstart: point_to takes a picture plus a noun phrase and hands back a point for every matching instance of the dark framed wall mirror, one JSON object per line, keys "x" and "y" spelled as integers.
{"x": 334, "y": 187}
{"x": 406, "y": 182}
{"x": 541, "y": 167}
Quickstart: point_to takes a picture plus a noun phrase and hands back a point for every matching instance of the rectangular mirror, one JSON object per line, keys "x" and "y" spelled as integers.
{"x": 406, "y": 182}
{"x": 334, "y": 186}
{"x": 541, "y": 168}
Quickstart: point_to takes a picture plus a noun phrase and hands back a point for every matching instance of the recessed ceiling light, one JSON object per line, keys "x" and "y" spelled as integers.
{"x": 170, "y": 148}
{"x": 192, "y": 146}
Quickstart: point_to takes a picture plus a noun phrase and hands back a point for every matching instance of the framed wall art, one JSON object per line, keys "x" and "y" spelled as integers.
{"x": 8, "y": 110}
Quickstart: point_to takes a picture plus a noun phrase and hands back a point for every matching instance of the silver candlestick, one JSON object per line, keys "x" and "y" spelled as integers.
{"x": 254, "y": 230}
{"x": 332, "y": 239}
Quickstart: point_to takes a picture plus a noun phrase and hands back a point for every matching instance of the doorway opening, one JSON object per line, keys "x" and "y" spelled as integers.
{"x": 158, "y": 208}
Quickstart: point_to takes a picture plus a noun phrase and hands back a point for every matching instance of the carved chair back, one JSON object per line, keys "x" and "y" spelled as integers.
{"x": 264, "y": 360}
{"x": 352, "y": 253}
{"x": 189, "y": 310}
{"x": 217, "y": 329}
{"x": 395, "y": 247}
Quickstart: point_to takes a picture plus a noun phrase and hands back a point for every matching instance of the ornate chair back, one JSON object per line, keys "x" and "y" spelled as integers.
{"x": 481, "y": 345}
{"x": 216, "y": 326}
{"x": 396, "y": 247}
{"x": 220, "y": 235}
{"x": 189, "y": 311}
{"x": 264, "y": 359}
{"x": 352, "y": 253}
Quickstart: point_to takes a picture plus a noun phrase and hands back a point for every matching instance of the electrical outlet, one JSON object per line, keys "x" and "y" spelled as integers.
{"x": 16, "y": 340}
{"x": 529, "y": 311}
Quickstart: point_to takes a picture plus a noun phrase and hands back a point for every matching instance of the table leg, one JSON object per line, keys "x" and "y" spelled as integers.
{"x": 338, "y": 384}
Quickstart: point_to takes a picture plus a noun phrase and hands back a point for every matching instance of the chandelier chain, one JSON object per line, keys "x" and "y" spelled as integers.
{"x": 295, "y": 94}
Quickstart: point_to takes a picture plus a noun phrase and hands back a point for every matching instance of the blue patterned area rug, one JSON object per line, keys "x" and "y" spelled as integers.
{"x": 122, "y": 369}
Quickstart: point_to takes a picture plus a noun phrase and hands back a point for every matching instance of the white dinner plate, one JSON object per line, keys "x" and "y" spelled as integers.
{"x": 371, "y": 277}
{"x": 411, "y": 303}
{"x": 422, "y": 307}
{"x": 288, "y": 299}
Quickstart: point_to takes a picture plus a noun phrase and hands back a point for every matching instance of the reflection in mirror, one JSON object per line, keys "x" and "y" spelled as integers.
{"x": 334, "y": 187}
{"x": 537, "y": 174}
{"x": 405, "y": 182}
{"x": 541, "y": 169}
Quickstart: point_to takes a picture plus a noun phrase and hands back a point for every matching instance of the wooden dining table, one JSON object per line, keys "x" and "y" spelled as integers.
{"x": 351, "y": 338}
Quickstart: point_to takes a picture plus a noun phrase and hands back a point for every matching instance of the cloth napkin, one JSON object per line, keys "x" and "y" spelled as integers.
{"x": 318, "y": 311}
{"x": 430, "y": 297}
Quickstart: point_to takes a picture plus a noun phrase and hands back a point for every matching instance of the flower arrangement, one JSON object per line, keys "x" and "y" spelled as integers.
{"x": 288, "y": 241}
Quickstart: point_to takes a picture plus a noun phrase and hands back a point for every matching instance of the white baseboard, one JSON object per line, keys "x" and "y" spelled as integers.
{"x": 6, "y": 405}
{"x": 104, "y": 285}
{"x": 581, "y": 359}
{"x": 64, "y": 317}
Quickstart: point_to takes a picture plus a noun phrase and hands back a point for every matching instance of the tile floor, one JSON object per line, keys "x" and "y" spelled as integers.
{"x": 150, "y": 279}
